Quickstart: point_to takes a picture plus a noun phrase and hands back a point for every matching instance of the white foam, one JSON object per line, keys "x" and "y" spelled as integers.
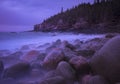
{"x": 13, "y": 41}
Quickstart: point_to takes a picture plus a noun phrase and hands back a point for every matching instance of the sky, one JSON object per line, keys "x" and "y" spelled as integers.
{"x": 22, "y": 15}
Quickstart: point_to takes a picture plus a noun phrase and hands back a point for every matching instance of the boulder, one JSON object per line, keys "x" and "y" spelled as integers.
{"x": 1, "y": 68}
{"x": 26, "y": 82}
{"x": 80, "y": 64}
{"x": 94, "y": 44}
{"x": 66, "y": 44}
{"x": 68, "y": 54}
{"x": 17, "y": 70}
{"x": 77, "y": 43}
{"x": 53, "y": 80}
{"x": 52, "y": 73}
{"x": 66, "y": 70}
{"x": 53, "y": 58}
{"x": 85, "y": 53}
{"x": 96, "y": 80}
{"x": 54, "y": 45}
{"x": 110, "y": 35}
{"x": 30, "y": 56}
{"x": 25, "y": 47}
{"x": 8, "y": 81}
{"x": 85, "y": 79}
{"x": 106, "y": 61}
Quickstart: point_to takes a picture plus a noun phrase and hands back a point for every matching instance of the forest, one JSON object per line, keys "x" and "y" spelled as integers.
{"x": 101, "y": 17}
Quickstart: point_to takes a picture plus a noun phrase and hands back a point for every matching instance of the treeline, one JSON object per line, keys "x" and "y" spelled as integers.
{"x": 102, "y": 16}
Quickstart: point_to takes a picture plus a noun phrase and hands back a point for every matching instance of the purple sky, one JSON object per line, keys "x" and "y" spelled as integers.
{"x": 19, "y": 15}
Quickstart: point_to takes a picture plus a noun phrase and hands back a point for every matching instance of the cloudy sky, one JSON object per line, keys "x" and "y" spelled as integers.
{"x": 19, "y": 15}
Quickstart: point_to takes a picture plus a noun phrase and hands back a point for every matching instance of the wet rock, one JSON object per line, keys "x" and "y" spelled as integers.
{"x": 106, "y": 61}
{"x": 94, "y": 44}
{"x": 53, "y": 80}
{"x": 80, "y": 64}
{"x": 17, "y": 70}
{"x": 110, "y": 35}
{"x": 8, "y": 81}
{"x": 41, "y": 56}
{"x": 57, "y": 43}
{"x": 53, "y": 58}
{"x": 86, "y": 53}
{"x": 68, "y": 53}
{"x": 1, "y": 68}
{"x": 77, "y": 43}
{"x": 4, "y": 53}
{"x": 11, "y": 59}
{"x": 26, "y": 82}
{"x": 66, "y": 44}
{"x": 25, "y": 47}
{"x": 15, "y": 55}
{"x": 53, "y": 46}
{"x": 66, "y": 70}
{"x": 96, "y": 80}
{"x": 52, "y": 73}
{"x": 85, "y": 79}
{"x": 30, "y": 56}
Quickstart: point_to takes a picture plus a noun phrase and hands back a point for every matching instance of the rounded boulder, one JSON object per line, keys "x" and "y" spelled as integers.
{"x": 106, "y": 61}
{"x": 96, "y": 80}
{"x": 65, "y": 70}
{"x": 80, "y": 64}
{"x": 53, "y": 58}
{"x": 17, "y": 70}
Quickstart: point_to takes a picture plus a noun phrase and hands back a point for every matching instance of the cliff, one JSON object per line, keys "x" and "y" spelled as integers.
{"x": 99, "y": 17}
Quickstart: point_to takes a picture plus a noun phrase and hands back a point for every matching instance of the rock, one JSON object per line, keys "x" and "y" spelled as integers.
{"x": 94, "y": 44}
{"x": 25, "y": 47}
{"x": 106, "y": 61}
{"x": 8, "y": 81}
{"x": 4, "y": 53}
{"x": 52, "y": 73}
{"x": 1, "y": 68}
{"x": 68, "y": 54}
{"x": 53, "y": 58}
{"x": 96, "y": 80}
{"x": 41, "y": 56}
{"x": 80, "y": 64}
{"x": 53, "y": 46}
{"x": 17, "y": 70}
{"x": 30, "y": 56}
{"x": 77, "y": 43}
{"x": 85, "y": 79}
{"x": 66, "y": 44}
{"x": 53, "y": 80}
{"x": 86, "y": 53}
{"x": 66, "y": 70}
{"x": 26, "y": 82}
{"x": 57, "y": 43}
{"x": 110, "y": 35}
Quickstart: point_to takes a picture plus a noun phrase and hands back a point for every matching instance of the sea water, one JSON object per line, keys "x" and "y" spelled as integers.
{"x": 15, "y": 40}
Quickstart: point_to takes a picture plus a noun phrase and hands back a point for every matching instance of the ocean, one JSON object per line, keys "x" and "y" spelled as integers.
{"x": 15, "y": 40}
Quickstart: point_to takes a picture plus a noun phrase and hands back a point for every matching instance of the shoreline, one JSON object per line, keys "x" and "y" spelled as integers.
{"x": 37, "y": 65}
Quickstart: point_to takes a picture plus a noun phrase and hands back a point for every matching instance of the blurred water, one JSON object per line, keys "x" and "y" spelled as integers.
{"x": 16, "y": 40}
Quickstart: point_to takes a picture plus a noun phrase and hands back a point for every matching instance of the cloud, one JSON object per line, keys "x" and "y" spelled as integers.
{"x": 30, "y": 12}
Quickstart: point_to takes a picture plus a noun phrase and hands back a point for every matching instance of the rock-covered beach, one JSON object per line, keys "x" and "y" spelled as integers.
{"x": 95, "y": 61}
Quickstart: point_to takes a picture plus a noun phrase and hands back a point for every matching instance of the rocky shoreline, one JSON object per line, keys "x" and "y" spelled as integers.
{"x": 92, "y": 62}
